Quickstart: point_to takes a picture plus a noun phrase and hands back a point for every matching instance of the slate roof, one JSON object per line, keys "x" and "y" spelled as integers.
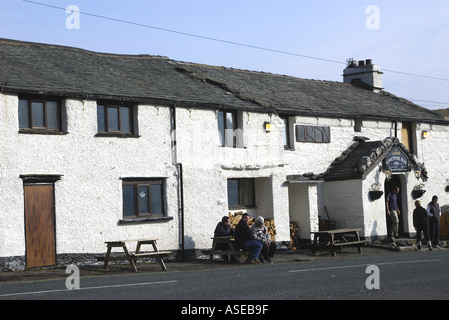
{"x": 72, "y": 72}
{"x": 349, "y": 167}
{"x": 358, "y": 161}
{"x": 362, "y": 157}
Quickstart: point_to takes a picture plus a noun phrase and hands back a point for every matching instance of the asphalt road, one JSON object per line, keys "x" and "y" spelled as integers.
{"x": 404, "y": 276}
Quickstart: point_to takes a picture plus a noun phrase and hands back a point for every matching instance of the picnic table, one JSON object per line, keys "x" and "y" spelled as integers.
{"x": 229, "y": 248}
{"x": 132, "y": 257}
{"x": 337, "y": 238}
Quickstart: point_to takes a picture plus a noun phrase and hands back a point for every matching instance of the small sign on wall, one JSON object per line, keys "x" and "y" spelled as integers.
{"x": 313, "y": 134}
{"x": 396, "y": 160}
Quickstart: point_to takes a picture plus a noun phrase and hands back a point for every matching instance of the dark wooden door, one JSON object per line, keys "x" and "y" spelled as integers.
{"x": 40, "y": 226}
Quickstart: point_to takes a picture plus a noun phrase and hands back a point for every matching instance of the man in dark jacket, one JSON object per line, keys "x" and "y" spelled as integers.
{"x": 246, "y": 241}
{"x": 224, "y": 229}
{"x": 434, "y": 212}
{"x": 421, "y": 224}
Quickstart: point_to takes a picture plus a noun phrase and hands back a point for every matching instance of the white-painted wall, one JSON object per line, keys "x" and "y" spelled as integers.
{"x": 88, "y": 198}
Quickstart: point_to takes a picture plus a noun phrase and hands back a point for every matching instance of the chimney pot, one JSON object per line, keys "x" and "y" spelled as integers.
{"x": 363, "y": 71}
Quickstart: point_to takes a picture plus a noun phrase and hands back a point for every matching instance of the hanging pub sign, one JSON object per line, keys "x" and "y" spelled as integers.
{"x": 396, "y": 160}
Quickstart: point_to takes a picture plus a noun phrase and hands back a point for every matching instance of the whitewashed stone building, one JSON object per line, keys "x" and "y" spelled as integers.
{"x": 99, "y": 147}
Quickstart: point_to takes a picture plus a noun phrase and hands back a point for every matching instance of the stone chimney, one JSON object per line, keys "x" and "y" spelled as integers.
{"x": 363, "y": 74}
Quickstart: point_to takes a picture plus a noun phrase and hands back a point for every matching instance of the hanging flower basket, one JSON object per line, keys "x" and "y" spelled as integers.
{"x": 374, "y": 195}
{"x": 418, "y": 193}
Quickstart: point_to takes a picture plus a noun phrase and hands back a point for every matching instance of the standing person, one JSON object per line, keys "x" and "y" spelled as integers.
{"x": 261, "y": 234}
{"x": 393, "y": 212}
{"x": 246, "y": 241}
{"x": 223, "y": 229}
{"x": 421, "y": 224}
{"x": 433, "y": 209}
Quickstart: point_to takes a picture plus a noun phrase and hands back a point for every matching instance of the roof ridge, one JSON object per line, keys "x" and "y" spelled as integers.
{"x": 58, "y": 46}
{"x": 256, "y": 72}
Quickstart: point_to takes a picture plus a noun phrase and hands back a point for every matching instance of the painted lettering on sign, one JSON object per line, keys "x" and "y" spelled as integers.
{"x": 396, "y": 160}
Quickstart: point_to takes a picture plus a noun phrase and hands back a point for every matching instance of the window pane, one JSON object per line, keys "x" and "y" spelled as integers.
{"x": 230, "y": 121}
{"x": 129, "y": 207}
{"x": 230, "y": 126}
{"x": 157, "y": 199}
{"x": 38, "y": 114}
{"x": 24, "y": 116}
{"x": 221, "y": 127}
{"x": 113, "y": 119}
{"x": 101, "y": 121}
{"x": 125, "y": 119}
{"x": 285, "y": 132}
{"x": 52, "y": 115}
{"x": 233, "y": 192}
{"x": 247, "y": 192}
{"x": 143, "y": 199}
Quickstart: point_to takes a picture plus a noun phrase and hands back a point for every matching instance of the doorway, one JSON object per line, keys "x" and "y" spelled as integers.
{"x": 395, "y": 181}
{"x": 40, "y": 238}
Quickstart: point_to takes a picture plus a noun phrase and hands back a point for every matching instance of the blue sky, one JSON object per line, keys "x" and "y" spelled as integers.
{"x": 401, "y": 36}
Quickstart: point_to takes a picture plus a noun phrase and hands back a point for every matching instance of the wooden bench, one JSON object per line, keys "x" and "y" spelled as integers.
{"x": 357, "y": 244}
{"x": 230, "y": 250}
{"x": 132, "y": 257}
{"x": 337, "y": 239}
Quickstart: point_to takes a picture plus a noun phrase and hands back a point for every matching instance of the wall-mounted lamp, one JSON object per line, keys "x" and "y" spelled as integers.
{"x": 417, "y": 172}
{"x": 425, "y": 134}
{"x": 267, "y": 126}
{"x": 388, "y": 173}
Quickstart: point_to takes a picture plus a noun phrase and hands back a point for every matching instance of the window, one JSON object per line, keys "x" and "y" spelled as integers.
{"x": 37, "y": 114}
{"x": 408, "y": 136}
{"x": 241, "y": 193}
{"x": 143, "y": 198}
{"x": 358, "y": 124}
{"x": 115, "y": 119}
{"x": 229, "y": 130}
{"x": 287, "y": 133}
{"x": 313, "y": 134}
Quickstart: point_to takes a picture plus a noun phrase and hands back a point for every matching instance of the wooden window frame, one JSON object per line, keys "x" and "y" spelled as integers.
{"x": 236, "y": 131}
{"x": 105, "y": 117}
{"x": 30, "y": 126}
{"x": 144, "y": 182}
{"x": 251, "y": 204}
{"x": 287, "y": 132}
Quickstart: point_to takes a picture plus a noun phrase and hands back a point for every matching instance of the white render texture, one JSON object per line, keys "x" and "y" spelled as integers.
{"x": 88, "y": 198}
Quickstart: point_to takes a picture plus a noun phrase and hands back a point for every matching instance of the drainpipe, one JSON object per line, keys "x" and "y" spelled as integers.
{"x": 180, "y": 179}
{"x": 181, "y": 191}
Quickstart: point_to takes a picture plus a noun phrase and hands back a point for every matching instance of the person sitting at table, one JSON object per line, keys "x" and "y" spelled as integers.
{"x": 261, "y": 234}
{"x": 223, "y": 229}
{"x": 246, "y": 241}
